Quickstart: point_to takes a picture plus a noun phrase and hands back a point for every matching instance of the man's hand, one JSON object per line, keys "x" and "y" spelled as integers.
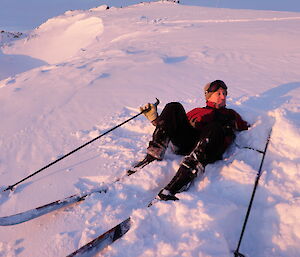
{"x": 193, "y": 122}
{"x": 150, "y": 111}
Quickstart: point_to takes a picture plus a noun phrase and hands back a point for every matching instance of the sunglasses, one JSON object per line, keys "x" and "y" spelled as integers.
{"x": 215, "y": 85}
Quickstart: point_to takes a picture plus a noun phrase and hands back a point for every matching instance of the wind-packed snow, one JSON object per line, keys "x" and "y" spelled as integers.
{"x": 83, "y": 72}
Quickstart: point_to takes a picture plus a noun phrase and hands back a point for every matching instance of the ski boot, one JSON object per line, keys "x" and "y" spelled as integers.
{"x": 188, "y": 170}
{"x": 141, "y": 164}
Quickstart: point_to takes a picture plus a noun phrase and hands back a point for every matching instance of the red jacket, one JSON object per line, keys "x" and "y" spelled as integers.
{"x": 229, "y": 119}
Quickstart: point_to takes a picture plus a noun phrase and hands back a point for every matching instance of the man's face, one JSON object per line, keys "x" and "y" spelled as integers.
{"x": 219, "y": 98}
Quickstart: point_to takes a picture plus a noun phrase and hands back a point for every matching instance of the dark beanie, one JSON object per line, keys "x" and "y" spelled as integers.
{"x": 206, "y": 87}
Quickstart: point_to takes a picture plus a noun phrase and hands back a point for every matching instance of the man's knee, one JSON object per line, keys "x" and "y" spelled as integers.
{"x": 172, "y": 110}
{"x": 174, "y": 104}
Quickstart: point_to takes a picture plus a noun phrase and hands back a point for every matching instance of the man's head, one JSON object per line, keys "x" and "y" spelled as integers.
{"x": 216, "y": 93}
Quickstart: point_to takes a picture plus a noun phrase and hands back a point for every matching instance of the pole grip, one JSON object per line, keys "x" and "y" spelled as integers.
{"x": 149, "y": 108}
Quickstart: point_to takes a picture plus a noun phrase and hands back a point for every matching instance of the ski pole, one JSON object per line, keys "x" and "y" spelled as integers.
{"x": 11, "y": 187}
{"x": 236, "y": 252}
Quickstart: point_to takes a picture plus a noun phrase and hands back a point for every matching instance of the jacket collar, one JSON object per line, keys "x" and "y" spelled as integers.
{"x": 213, "y": 105}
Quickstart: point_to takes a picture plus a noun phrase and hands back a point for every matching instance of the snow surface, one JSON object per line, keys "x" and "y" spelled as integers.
{"x": 85, "y": 71}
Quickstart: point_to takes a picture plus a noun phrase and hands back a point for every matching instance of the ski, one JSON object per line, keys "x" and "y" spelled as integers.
{"x": 108, "y": 237}
{"x": 96, "y": 245}
{"x": 47, "y": 208}
{"x": 50, "y": 207}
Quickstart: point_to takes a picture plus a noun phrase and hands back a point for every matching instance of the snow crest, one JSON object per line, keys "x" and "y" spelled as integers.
{"x": 69, "y": 35}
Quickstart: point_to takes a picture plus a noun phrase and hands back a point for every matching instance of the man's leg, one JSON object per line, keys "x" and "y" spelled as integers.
{"x": 209, "y": 149}
{"x": 155, "y": 151}
{"x": 172, "y": 125}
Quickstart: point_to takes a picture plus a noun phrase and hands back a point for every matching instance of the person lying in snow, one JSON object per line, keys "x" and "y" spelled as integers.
{"x": 202, "y": 135}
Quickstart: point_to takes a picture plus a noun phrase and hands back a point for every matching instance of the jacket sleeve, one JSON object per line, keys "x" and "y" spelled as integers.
{"x": 240, "y": 124}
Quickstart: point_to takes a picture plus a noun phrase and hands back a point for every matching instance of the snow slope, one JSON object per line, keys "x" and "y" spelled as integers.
{"x": 83, "y": 72}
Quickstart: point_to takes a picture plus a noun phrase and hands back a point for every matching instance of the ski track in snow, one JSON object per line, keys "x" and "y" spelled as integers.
{"x": 107, "y": 63}
{"x": 233, "y": 20}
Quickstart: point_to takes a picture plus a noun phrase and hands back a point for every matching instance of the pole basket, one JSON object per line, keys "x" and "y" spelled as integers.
{"x": 237, "y": 254}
